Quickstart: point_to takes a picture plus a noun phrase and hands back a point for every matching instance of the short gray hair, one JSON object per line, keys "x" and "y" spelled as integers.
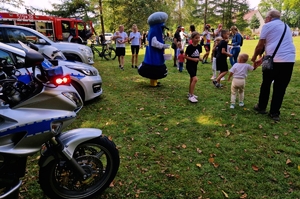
{"x": 274, "y": 14}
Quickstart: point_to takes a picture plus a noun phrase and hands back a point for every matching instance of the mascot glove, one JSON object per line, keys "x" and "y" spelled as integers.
{"x": 166, "y": 46}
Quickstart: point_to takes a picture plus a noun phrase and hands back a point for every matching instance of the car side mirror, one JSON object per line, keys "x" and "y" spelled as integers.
{"x": 42, "y": 41}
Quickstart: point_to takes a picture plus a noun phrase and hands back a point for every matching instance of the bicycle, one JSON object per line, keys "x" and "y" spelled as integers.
{"x": 107, "y": 51}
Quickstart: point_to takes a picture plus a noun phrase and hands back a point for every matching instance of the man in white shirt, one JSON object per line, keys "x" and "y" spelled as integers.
{"x": 283, "y": 63}
{"x": 120, "y": 37}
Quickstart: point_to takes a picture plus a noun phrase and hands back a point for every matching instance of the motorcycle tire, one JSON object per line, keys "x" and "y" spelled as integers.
{"x": 110, "y": 54}
{"x": 98, "y": 157}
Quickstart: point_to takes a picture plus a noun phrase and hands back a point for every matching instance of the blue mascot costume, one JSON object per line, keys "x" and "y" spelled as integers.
{"x": 153, "y": 66}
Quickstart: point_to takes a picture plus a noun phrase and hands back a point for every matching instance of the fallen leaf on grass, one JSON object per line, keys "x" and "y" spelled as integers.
{"x": 288, "y": 161}
{"x": 172, "y": 175}
{"x": 254, "y": 167}
{"x": 227, "y": 133}
{"x": 276, "y": 137}
{"x": 216, "y": 165}
{"x": 141, "y": 109}
{"x": 199, "y": 165}
{"x": 199, "y": 151}
{"x": 211, "y": 160}
{"x": 298, "y": 167}
{"x": 260, "y": 126}
{"x": 183, "y": 146}
{"x": 225, "y": 194}
{"x": 112, "y": 184}
{"x": 166, "y": 129}
{"x": 218, "y": 145}
{"x": 244, "y": 196}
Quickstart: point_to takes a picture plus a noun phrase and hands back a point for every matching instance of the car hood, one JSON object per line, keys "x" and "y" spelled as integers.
{"x": 75, "y": 64}
{"x": 69, "y": 44}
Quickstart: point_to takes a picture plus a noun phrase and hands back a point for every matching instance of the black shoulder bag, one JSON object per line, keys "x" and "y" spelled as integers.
{"x": 267, "y": 63}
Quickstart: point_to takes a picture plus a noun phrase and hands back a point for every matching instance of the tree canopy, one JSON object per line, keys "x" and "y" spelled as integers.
{"x": 181, "y": 12}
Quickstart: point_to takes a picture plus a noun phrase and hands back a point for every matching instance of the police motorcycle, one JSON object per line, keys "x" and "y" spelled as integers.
{"x": 78, "y": 163}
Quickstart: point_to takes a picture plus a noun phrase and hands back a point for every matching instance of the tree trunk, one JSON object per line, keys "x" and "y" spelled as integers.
{"x": 101, "y": 17}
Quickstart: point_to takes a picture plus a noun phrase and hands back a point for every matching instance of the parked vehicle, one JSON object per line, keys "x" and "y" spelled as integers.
{"x": 11, "y": 34}
{"x": 85, "y": 78}
{"x": 79, "y": 163}
{"x": 55, "y": 28}
{"x": 108, "y": 36}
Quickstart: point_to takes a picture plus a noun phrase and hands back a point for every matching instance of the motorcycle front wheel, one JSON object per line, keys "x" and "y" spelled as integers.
{"x": 98, "y": 157}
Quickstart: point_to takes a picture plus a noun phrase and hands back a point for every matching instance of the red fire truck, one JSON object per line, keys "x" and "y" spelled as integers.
{"x": 56, "y": 28}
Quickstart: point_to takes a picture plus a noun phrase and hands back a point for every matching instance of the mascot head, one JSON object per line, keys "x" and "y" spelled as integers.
{"x": 156, "y": 22}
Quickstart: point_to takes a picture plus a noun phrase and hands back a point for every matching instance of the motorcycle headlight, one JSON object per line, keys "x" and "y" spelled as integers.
{"x": 74, "y": 97}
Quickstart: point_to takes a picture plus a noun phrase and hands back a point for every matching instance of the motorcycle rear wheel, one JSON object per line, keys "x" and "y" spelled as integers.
{"x": 98, "y": 157}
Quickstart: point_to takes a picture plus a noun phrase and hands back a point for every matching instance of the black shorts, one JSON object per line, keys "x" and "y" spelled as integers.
{"x": 192, "y": 70}
{"x": 120, "y": 51}
{"x": 222, "y": 65}
{"x": 207, "y": 47}
{"x": 135, "y": 49}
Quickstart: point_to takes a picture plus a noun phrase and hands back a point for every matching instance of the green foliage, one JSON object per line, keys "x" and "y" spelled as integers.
{"x": 254, "y": 23}
{"x": 70, "y": 8}
{"x": 247, "y": 31}
{"x": 128, "y": 12}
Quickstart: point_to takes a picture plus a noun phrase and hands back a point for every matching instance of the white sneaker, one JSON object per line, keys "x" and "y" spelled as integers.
{"x": 195, "y": 96}
{"x": 193, "y": 99}
{"x": 241, "y": 104}
{"x": 213, "y": 77}
{"x": 231, "y": 106}
{"x": 223, "y": 78}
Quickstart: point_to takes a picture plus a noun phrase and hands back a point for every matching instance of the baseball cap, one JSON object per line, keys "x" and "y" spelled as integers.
{"x": 179, "y": 26}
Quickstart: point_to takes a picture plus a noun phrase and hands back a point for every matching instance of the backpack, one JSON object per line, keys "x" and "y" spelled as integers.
{"x": 242, "y": 39}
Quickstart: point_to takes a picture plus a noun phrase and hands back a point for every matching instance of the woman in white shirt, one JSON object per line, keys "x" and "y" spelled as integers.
{"x": 136, "y": 41}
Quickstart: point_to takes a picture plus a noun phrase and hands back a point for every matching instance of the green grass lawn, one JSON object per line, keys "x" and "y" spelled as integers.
{"x": 171, "y": 148}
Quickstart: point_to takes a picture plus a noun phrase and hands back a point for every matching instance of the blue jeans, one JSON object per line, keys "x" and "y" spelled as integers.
{"x": 235, "y": 51}
{"x": 180, "y": 66}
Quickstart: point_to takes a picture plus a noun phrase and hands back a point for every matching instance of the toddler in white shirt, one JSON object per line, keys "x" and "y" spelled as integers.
{"x": 239, "y": 72}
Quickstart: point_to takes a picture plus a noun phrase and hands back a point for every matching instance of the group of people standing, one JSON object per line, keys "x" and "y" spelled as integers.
{"x": 136, "y": 39}
{"x": 280, "y": 75}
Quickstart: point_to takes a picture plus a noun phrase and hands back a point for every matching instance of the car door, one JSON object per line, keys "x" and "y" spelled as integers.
{"x": 15, "y": 34}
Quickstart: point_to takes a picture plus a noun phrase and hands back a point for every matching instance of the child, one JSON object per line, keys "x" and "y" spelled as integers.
{"x": 214, "y": 53}
{"x": 221, "y": 56}
{"x": 239, "y": 72}
{"x": 192, "y": 56}
{"x": 179, "y": 46}
{"x": 180, "y": 60}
